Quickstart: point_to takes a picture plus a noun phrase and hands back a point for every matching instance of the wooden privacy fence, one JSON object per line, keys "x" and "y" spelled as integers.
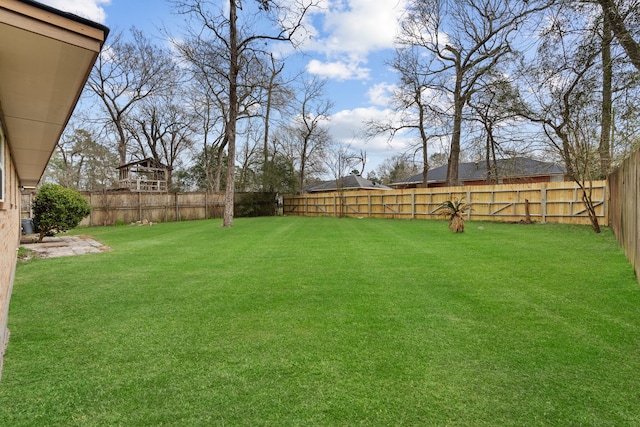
{"x": 119, "y": 207}
{"x": 625, "y": 207}
{"x": 124, "y": 207}
{"x": 546, "y": 202}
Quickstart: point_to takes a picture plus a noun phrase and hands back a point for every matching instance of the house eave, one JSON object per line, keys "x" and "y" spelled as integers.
{"x": 45, "y": 60}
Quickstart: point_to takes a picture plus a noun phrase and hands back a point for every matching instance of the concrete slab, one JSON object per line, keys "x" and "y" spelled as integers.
{"x": 60, "y": 246}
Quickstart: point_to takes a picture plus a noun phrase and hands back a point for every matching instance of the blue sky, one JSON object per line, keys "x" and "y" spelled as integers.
{"x": 352, "y": 42}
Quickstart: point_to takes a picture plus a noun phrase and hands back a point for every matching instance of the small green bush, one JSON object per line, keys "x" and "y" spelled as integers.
{"x": 57, "y": 209}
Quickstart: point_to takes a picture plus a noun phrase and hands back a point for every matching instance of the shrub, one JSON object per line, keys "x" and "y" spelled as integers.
{"x": 57, "y": 209}
{"x": 255, "y": 204}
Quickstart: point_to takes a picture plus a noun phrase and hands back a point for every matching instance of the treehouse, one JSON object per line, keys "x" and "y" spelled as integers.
{"x": 144, "y": 176}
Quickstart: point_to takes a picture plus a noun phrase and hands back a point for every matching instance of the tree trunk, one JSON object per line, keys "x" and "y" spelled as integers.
{"x": 425, "y": 140}
{"x": 219, "y": 164}
{"x": 605, "y": 125}
{"x": 454, "y": 155}
{"x": 621, "y": 32}
{"x": 591, "y": 210}
{"x": 267, "y": 182}
{"x": 265, "y": 148}
{"x": 229, "y": 196}
{"x": 458, "y": 105}
{"x": 527, "y": 212}
{"x": 122, "y": 145}
{"x": 303, "y": 164}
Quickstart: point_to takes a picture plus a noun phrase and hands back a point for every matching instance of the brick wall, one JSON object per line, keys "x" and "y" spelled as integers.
{"x": 9, "y": 243}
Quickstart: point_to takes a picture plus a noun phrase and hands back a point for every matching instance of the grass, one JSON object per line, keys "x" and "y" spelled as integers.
{"x": 322, "y": 321}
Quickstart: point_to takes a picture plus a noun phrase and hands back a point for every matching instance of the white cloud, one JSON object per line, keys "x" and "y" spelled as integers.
{"x": 381, "y": 94}
{"x": 349, "y": 128}
{"x": 90, "y": 9}
{"x": 347, "y": 31}
{"x": 358, "y": 26}
{"x": 337, "y": 70}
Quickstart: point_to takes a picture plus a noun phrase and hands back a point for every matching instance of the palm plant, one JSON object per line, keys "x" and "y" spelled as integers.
{"x": 454, "y": 210}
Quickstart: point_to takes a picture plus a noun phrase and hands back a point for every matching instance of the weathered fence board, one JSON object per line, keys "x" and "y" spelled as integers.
{"x": 547, "y": 202}
{"x": 110, "y": 208}
{"x": 625, "y": 207}
{"x": 114, "y": 208}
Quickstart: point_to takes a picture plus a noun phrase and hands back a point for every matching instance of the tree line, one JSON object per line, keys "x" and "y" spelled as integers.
{"x": 477, "y": 79}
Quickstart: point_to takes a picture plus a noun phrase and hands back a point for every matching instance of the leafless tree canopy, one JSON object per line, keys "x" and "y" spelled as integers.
{"x": 237, "y": 40}
{"x": 128, "y": 71}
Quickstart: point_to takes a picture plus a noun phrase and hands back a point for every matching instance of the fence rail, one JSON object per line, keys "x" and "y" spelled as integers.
{"x": 545, "y": 202}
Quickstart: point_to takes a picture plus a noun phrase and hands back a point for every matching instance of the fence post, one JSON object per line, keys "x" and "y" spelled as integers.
{"x": 91, "y": 214}
{"x": 166, "y": 208}
{"x": 335, "y": 207}
{"x": 543, "y": 202}
{"x": 413, "y": 204}
{"x": 605, "y": 203}
{"x": 177, "y": 207}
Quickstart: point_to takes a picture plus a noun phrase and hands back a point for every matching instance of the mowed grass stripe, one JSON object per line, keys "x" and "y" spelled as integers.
{"x": 323, "y": 321}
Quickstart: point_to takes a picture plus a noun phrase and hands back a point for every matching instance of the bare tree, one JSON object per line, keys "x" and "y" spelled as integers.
{"x": 238, "y": 43}
{"x": 562, "y": 99}
{"x": 396, "y": 168}
{"x": 311, "y": 135}
{"x": 606, "y": 123}
{"x": 617, "y": 20}
{"x": 82, "y": 160}
{"x": 209, "y": 127}
{"x": 615, "y": 26}
{"x": 493, "y": 107}
{"x": 249, "y": 160}
{"x": 419, "y": 109}
{"x": 277, "y": 97}
{"x": 342, "y": 161}
{"x": 127, "y": 72}
{"x": 578, "y": 28}
{"x": 163, "y": 130}
{"x": 461, "y": 41}
{"x": 283, "y": 151}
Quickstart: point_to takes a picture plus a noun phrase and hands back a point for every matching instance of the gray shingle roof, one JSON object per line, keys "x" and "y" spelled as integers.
{"x": 474, "y": 171}
{"x": 351, "y": 182}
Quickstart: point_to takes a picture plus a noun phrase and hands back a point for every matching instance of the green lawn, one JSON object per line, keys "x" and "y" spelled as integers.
{"x": 323, "y": 322}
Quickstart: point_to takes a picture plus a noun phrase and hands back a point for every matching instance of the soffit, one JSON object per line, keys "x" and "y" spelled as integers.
{"x": 45, "y": 60}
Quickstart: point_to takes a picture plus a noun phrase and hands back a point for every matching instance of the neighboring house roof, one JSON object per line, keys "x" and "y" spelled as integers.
{"x": 351, "y": 182}
{"x": 515, "y": 167}
{"x": 45, "y": 59}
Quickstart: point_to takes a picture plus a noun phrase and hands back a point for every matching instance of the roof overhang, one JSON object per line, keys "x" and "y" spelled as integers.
{"x": 45, "y": 59}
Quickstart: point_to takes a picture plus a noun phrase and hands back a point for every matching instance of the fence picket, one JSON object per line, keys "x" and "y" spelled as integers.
{"x": 624, "y": 207}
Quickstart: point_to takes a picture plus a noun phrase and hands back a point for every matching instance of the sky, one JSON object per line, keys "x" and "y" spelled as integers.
{"x": 352, "y": 44}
